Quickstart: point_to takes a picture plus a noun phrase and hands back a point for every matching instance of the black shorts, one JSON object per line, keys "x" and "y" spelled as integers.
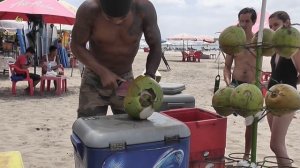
{"x": 34, "y": 77}
{"x": 236, "y": 83}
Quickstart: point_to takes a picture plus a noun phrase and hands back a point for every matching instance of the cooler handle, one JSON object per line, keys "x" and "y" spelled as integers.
{"x": 176, "y": 105}
{"x": 76, "y": 142}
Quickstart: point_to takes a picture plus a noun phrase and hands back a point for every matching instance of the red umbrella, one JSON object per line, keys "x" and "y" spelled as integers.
{"x": 37, "y": 12}
{"x": 51, "y": 11}
{"x": 255, "y": 27}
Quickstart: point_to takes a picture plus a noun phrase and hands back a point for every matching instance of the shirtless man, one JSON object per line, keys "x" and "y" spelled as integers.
{"x": 113, "y": 29}
{"x": 244, "y": 65}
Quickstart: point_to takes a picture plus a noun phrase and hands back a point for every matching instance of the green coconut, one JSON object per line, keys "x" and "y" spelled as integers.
{"x": 221, "y": 101}
{"x": 267, "y": 49}
{"x": 144, "y": 96}
{"x": 282, "y": 99}
{"x": 246, "y": 100}
{"x": 286, "y": 41}
{"x": 232, "y": 40}
{"x": 157, "y": 75}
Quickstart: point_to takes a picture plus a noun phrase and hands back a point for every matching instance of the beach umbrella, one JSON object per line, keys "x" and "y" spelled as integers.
{"x": 206, "y": 38}
{"x": 38, "y": 12}
{"x": 255, "y": 27}
{"x": 72, "y": 9}
{"x": 50, "y": 11}
{"x": 183, "y": 37}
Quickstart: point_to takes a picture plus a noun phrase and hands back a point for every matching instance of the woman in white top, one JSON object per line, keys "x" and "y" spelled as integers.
{"x": 52, "y": 64}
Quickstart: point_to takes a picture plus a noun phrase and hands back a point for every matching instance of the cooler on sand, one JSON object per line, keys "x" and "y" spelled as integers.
{"x": 208, "y": 132}
{"x": 177, "y": 101}
{"x": 173, "y": 98}
{"x": 172, "y": 88}
{"x": 117, "y": 141}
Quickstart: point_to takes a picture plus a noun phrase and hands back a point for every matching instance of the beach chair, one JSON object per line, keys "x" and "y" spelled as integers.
{"x": 264, "y": 80}
{"x": 197, "y": 55}
{"x": 14, "y": 78}
{"x": 146, "y": 49}
{"x": 185, "y": 56}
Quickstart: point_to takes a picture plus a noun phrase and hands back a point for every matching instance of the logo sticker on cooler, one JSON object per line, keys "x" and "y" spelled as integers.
{"x": 171, "y": 158}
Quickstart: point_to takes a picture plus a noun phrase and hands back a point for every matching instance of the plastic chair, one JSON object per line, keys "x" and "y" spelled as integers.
{"x": 264, "y": 80}
{"x": 146, "y": 49}
{"x": 60, "y": 80}
{"x": 191, "y": 55}
{"x": 197, "y": 55}
{"x": 185, "y": 56}
{"x": 14, "y": 78}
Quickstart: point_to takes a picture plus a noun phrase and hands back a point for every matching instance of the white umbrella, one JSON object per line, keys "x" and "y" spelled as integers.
{"x": 183, "y": 37}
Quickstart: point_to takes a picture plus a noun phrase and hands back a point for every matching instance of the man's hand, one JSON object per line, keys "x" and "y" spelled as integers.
{"x": 110, "y": 80}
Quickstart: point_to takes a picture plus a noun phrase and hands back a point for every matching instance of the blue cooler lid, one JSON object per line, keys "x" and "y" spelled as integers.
{"x": 102, "y": 131}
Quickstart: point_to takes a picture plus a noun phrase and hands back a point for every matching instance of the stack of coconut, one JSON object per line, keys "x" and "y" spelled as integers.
{"x": 247, "y": 99}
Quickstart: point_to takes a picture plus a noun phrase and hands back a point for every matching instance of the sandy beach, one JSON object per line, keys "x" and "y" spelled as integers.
{"x": 40, "y": 126}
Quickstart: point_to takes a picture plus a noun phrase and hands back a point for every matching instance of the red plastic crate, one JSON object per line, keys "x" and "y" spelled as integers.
{"x": 208, "y": 132}
{"x": 206, "y": 164}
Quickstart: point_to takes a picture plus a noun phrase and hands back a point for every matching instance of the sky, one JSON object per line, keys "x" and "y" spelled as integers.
{"x": 206, "y": 17}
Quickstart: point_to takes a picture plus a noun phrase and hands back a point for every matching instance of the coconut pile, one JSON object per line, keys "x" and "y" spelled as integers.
{"x": 246, "y": 99}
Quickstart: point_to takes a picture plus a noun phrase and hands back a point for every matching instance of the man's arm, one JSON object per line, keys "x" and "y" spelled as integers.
{"x": 152, "y": 37}
{"x": 227, "y": 69}
{"x": 81, "y": 34}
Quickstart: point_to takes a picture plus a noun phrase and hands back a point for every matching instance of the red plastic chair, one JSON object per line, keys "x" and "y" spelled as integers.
{"x": 146, "y": 49}
{"x": 264, "y": 80}
{"x": 197, "y": 55}
{"x": 14, "y": 78}
{"x": 191, "y": 55}
{"x": 186, "y": 56}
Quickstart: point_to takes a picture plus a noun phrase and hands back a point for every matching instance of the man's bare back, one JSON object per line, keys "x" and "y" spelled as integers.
{"x": 114, "y": 41}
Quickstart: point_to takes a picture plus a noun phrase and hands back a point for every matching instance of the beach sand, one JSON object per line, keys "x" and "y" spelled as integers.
{"x": 40, "y": 126}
